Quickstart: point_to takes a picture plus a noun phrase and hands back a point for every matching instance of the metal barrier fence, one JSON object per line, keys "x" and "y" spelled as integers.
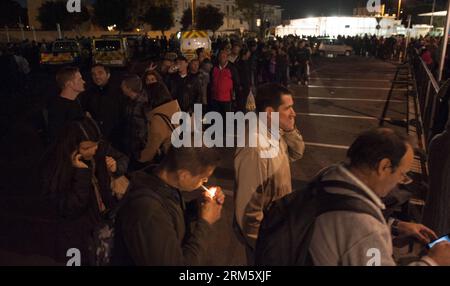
{"x": 432, "y": 97}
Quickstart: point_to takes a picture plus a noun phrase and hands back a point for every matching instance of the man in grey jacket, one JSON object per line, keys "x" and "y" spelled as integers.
{"x": 379, "y": 160}
{"x": 259, "y": 180}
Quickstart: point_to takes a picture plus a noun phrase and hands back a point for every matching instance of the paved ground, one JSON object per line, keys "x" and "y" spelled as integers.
{"x": 346, "y": 96}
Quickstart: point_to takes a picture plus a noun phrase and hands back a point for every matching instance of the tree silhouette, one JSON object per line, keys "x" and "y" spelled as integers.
{"x": 112, "y": 12}
{"x": 186, "y": 19}
{"x": 209, "y": 18}
{"x": 160, "y": 18}
{"x": 52, "y": 13}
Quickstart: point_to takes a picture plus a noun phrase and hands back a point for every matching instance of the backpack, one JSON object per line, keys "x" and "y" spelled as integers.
{"x": 118, "y": 254}
{"x": 158, "y": 158}
{"x": 286, "y": 231}
{"x": 105, "y": 236}
{"x": 156, "y": 161}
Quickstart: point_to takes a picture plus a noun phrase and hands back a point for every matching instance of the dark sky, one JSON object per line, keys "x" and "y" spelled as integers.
{"x": 300, "y": 8}
{"x": 304, "y": 8}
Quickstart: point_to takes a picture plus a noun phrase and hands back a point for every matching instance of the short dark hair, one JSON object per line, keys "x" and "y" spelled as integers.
{"x": 133, "y": 82}
{"x": 269, "y": 95}
{"x": 107, "y": 70}
{"x": 377, "y": 144}
{"x": 154, "y": 73}
{"x": 206, "y": 62}
{"x": 223, "y": 50}
{"x": 158, "y": 94}
{"x": 195, "y": 60}
{"x": 64, "y": 75}
{"x": 199, "y": 51}
{"x": 196, "y": 160}
{"x": 182, "y": 58}
{"x": 244, "y": 51}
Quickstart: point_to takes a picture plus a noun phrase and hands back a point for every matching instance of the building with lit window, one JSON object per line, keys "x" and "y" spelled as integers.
{"x": 233, "y": 20}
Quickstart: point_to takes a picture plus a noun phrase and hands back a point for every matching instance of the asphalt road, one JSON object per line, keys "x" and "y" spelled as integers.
{"x": 346, "y": 96}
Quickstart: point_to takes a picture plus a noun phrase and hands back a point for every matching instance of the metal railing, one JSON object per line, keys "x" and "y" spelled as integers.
{"x": 431, "y": 96}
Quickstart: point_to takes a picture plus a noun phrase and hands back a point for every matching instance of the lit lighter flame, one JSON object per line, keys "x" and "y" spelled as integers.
{"x": 211, "y": 192}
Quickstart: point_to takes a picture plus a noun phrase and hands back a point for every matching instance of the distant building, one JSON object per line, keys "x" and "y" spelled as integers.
{"x": 273, "y": 14}
{"x": 233, "y": 19}
{"x": 362, "y": 11}
{"x": 344, "y": 26}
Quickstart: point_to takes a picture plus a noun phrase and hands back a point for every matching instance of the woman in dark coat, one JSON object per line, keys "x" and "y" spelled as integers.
{"x": 245, "y": 73}
{"x": 77, "y": 174}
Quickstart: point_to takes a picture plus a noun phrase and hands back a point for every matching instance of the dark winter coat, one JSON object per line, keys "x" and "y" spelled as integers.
{"x": 152, "y": 229}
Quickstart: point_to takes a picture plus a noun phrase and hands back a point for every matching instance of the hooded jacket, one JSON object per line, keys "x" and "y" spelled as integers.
{"x": 343, "y": 238}
{"x": 152, "y": 227}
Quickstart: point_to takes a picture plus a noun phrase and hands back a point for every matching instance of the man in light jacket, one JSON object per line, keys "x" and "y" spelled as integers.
{"x": 260, "y": 181}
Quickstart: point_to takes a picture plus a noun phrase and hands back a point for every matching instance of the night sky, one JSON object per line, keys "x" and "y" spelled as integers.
{"x": 303, "y": 8}
{"x": 300, "y": 8}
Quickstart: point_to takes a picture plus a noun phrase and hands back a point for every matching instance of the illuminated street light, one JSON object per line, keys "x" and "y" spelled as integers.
{"x": 194, "y": 5}
{"x": 111, "y": 28}
{"x": 399, "y": 9}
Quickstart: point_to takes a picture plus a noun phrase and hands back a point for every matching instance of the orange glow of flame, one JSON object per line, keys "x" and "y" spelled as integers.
{"x": 211, "y": 192}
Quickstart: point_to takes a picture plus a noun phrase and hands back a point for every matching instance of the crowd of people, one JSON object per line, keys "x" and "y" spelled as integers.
{"x": 429, "y": 49}
{"x": 113, "y": 176}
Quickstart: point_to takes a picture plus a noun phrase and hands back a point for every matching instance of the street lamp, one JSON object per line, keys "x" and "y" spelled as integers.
{"x": 445, "y": 44}
{"x": 399, "y": 8}
{"x": 432, "y": 12}
{"x": 194, "y": 4}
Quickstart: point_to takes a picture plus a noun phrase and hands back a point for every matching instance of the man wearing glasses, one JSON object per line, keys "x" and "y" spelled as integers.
{"x": 379, "y": 160}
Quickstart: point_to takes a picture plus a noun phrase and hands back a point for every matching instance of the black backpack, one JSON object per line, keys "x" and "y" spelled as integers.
{"x": 286, "y": 231}
{"x": 107, "y": 235}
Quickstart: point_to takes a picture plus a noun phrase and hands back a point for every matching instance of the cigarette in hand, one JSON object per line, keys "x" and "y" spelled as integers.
{"x": 211, "y": 192}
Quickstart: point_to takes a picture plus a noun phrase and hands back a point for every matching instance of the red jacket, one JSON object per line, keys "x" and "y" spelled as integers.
{"x": 426, "y": 57}
{"x": 222, "y": 84}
